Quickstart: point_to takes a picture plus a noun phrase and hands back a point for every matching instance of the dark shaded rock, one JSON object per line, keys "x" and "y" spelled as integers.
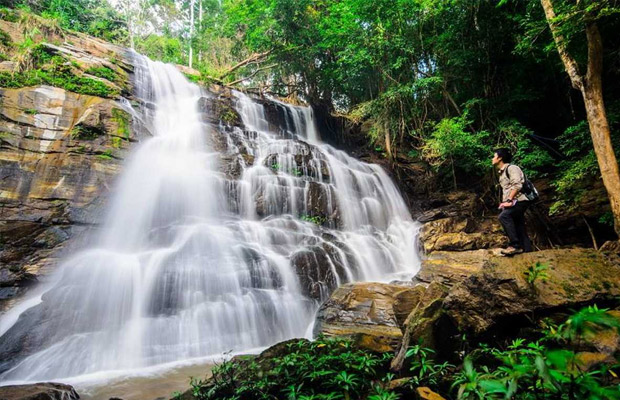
{"x": 316, "y": 272}
{"x": 38, "y": 391}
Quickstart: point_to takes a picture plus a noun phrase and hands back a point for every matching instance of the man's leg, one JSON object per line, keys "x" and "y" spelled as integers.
{"x": 519, "y": 218}
{"x": 506, "y": 218}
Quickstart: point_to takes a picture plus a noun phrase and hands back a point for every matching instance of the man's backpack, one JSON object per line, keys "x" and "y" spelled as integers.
{"x": 528, "y": 188}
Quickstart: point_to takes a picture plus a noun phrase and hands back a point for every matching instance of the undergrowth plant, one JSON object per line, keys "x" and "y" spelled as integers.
{"x": 537, "y": 272}
{"x": 320, "y": 370}
{"x": 547, "y": 368}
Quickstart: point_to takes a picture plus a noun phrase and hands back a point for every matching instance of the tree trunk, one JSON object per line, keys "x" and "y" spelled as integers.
{"x": 591, "y": 87}
{"x": 601, "y": 139}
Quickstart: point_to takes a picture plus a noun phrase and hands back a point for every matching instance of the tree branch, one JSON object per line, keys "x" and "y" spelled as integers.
{"x": 252, "y": 74}
{"x": 253, "y": 58}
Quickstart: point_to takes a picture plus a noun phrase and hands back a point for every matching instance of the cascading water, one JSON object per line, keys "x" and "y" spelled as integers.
{"x": 218, "y": 239}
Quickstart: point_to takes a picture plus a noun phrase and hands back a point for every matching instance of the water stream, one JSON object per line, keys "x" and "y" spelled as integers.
{"x": 217, "y": 239}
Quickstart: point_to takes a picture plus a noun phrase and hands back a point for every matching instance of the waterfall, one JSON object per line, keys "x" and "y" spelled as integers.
{"x": 217, "y": 239}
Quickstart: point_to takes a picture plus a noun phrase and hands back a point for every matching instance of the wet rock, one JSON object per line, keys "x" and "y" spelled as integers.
{"x": 321, "y": 202}
{"x": 369, "y": 312}
{"x": 316, "y": 271}
{"x": 39, "y": 391}
{"x": 220, "y": 108}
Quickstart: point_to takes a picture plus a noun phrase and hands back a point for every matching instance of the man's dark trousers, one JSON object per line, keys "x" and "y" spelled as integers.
{"x": 513, "y": 221}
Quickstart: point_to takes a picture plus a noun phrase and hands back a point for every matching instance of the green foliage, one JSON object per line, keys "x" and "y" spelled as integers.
{"x": 103, "y": 72}
{"x": 535, "y": 162}
{"x": 97, "y": 18}
{"x": 8, "y": 14}
{"x": 425, "y": 371}
{"x": 545, "y": 367}
{"x": 451, "y": 143}
{"x": 579, "y": 170}
{"x": 323, "y": 369}
{"x": 106, "y": 155}
{"x": 163, "y": 48}
{"x": 537, "y": 272}
{"x": 5, "y": 39}
{"x": 542, "y": 369}
{"x": 315, "y": 219}
{"x": 45, "y": 68}
{"x": 61, "y": 77}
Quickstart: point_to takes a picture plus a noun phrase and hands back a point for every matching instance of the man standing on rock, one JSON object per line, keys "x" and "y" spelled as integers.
{"x": 514, "y": 203}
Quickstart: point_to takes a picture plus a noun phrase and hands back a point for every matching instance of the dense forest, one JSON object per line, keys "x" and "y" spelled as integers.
{"x": 444, "y": 82}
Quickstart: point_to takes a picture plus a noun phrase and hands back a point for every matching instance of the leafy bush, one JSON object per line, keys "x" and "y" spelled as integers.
{"x": 451, "y": 143}
{"x": 534, "y": 161}
{"x": 547, "y": 368}
{"x": 580, "y": 169}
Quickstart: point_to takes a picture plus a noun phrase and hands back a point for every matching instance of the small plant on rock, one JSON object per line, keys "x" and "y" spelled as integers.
{"x": 536, "y": 272}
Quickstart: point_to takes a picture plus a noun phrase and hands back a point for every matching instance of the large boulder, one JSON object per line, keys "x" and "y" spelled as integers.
{"x": 372, "y": 313}
{"x": 38, "y": 391}
{"x": 452, "y": 267}
{"x": 504, "y": 291}
{"x": 461, "y": 233}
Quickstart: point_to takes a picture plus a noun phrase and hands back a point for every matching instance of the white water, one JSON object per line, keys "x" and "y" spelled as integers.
{"x": 192, "y": 263}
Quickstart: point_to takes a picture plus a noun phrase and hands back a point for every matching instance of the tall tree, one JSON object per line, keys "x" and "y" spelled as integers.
{"x": 591, "y": 86}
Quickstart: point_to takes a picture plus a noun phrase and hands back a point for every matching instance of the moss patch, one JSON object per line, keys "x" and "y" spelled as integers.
{"x": 122, "y": 120}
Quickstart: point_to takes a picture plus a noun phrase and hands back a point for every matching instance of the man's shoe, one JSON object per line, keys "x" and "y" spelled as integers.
{"x": 511, "y": 251}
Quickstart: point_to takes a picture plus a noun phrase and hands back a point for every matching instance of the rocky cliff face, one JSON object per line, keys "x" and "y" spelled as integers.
{"x": 59, "y": 154}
